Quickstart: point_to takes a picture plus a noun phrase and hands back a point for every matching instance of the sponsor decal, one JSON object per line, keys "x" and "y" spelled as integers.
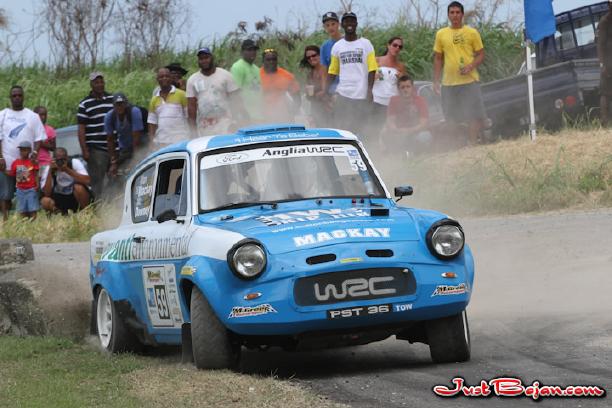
{"x": 151, "y": 248}
{"x": 402, "y": 307}
{"x": 355, "y": 288}
{"x": 246, "y": 311}
{"x": 188, "y": 270}
{"x": 514, "y": 387}
{"x": 443, "y": 290}
{"x": 358, "y": 311}
{"x": 350, "y": 260}
{"x": 311, "y": 215}
{"x": 160, "y": 290}
{"x": 321, "y": 237}
{"x": 231, "y": 158}
{"x": 315, "y": 150}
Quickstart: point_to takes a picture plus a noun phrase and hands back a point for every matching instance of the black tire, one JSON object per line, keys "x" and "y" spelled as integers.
{"x": 449, "y": 338}
{"x": 111, "y": 329}
{"x": 211, "y": 341}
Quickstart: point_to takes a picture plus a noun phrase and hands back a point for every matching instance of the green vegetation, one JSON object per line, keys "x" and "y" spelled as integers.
{"x": 62, "y": 91}
{"x": 53, "y": 372}
{"x": 569, "y": 170}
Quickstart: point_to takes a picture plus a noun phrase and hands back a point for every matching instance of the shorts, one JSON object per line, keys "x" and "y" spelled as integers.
{"x": 463, "y": 103}
{"x": 7, "y": 187}
{"x": 27, "y": 200}
{"x": 65, "y": 202}
{"x": 352, "y": 114}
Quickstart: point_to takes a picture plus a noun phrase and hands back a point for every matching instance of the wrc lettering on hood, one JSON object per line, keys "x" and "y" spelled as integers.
{"x": 321, "y": 237}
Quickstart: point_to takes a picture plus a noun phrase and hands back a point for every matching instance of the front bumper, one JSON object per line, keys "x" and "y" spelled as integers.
{"x": 275, "y": 311}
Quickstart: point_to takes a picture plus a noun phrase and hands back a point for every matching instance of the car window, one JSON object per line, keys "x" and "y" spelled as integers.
{"x": 171, "y": 190}
{"x": 142, "y": 194}
{"x": 565, "y": 37}
{"x": 585, "y": 33}
{"x": 285, "y": 172}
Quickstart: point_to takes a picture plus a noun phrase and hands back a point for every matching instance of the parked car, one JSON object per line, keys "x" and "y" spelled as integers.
{"x": 276, "y": 236}
{"x": 565, "y": 83}
{"x": 68, "y": 138}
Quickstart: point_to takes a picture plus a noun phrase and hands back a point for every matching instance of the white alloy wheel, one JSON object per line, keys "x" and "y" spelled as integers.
{"x": 104, "y": 312}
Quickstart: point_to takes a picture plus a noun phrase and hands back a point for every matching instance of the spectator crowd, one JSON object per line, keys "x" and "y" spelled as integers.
{"x": 346, "y": 86}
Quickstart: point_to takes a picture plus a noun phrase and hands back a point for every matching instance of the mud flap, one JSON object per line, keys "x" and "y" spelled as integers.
{"x": 186, "y": 350}
{"x": 93, "y": 324}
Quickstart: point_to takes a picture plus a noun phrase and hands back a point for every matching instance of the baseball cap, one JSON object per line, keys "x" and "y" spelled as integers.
{"x": 249, "y": 45}
{"x": 25, "y": 145}
{"x": 119, "y": 97}
{"x": 330, "y": 15}
{"x": 204, "y": 50}
{"x": 349, "y": 15}
{"x": 176, "y": 67}
{"x": 95, "y": 74}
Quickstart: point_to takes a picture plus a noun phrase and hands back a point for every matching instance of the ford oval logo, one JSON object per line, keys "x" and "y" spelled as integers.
{"x": 231, "y": 158}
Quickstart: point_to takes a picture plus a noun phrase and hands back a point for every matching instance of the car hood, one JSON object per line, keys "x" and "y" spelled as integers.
{"x": 284, "y": 231}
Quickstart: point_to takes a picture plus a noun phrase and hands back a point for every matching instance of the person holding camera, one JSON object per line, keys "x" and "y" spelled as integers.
{"x": 66, "y": 184}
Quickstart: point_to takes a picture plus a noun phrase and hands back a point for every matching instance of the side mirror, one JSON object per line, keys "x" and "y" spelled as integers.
{"x": 403, "y": 191}
{"x": 167, "y": 215}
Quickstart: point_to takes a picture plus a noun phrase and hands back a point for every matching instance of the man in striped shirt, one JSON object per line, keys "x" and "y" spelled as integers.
{"x": 92, "y": 136}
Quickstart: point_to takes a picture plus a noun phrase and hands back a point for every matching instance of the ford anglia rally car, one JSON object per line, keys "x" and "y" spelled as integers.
{"x": 276, "y": 236}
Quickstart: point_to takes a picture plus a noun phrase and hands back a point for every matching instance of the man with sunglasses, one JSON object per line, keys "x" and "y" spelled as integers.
{"x": 353, "y": 62}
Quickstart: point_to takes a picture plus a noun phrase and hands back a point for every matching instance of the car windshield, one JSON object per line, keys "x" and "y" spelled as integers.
{"x": 285, "y": 172}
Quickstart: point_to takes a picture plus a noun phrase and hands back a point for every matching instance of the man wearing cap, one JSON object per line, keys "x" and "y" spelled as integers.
{"x": 331, "y": 24}
{"x": 92, "y": 136}
{"x": 167, "y": 119}
{"x": 177, "y": 72}
{"x": 353, "y": 62}
{"x": 19, "y": 126}
{"x": 123, "y": 126}
{"x": 246, "y": 76}
{"x": 213, "y": 100}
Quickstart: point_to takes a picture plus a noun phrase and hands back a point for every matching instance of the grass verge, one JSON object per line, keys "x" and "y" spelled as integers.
{"x": 569, "y": 170}
{"x": 52, "y": 372}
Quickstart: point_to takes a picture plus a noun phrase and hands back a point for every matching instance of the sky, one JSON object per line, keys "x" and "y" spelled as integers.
{"x": 212, "y": 19}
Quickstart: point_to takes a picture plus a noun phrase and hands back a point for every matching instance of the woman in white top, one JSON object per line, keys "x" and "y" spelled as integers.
{"x": 385, "y": 85}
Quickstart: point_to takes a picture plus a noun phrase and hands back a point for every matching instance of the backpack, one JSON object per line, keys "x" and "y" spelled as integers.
{"x": 143, "y": 112}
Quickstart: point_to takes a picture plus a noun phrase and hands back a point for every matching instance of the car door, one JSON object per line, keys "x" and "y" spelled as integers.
{"x": 164, "y": 243}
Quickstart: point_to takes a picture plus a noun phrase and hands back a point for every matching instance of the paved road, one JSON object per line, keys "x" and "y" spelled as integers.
{"x": 541, "y": 310}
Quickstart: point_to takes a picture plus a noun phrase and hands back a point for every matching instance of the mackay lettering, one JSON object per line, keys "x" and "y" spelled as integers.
{"x": 244, "y": 311}
{"x": 321, "y": 237}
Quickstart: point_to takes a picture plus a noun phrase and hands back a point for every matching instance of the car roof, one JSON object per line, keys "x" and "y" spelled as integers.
{"x": 254, "y": 134}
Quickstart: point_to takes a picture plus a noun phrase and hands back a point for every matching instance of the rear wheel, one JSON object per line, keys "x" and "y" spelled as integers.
{"x": 211, "y": 342}
{"x": 449, "y": 338}
{"x": 112, "y": 333}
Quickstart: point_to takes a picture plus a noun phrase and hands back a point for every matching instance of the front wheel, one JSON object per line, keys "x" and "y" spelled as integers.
{"x": 112, "y": 333}
{"x": 449, "y": 338}
{"x": 211, "y": 342}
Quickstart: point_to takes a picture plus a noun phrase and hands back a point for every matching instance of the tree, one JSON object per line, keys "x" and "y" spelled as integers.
{"x": 76, "y": 29}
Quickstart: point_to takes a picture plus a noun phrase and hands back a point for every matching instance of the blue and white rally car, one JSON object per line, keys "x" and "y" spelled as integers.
{"x": 276, "y": 236}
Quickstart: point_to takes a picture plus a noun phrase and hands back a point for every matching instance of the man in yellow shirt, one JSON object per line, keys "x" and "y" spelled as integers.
{"x": 459, "y": 50}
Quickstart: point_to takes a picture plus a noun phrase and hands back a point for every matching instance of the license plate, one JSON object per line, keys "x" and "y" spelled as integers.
{"x": 358, "y": 311}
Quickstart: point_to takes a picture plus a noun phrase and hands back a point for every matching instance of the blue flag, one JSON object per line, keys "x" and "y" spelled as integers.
{"x": 539, "y": 19}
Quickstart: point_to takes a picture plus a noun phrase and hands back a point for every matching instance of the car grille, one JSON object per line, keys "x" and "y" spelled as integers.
{"x": 359, "y": 284}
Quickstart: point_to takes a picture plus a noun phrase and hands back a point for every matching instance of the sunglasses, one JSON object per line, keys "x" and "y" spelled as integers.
{"x": 269, "y": 50}
{"x": 400, "y": 46}
{"x": 311, "y": 56}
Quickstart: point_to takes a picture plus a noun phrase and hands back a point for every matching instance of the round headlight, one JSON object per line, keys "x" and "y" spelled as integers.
{"x": 446, "y": 239}
{"x": 248, "y": 260}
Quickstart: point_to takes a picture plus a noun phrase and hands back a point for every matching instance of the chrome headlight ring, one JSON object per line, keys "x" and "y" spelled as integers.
{"x": 247, "y": 259}
{"x": 445, "y": 239}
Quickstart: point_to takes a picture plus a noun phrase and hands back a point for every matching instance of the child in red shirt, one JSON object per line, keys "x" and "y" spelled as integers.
{"x": 25, "y": 172}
